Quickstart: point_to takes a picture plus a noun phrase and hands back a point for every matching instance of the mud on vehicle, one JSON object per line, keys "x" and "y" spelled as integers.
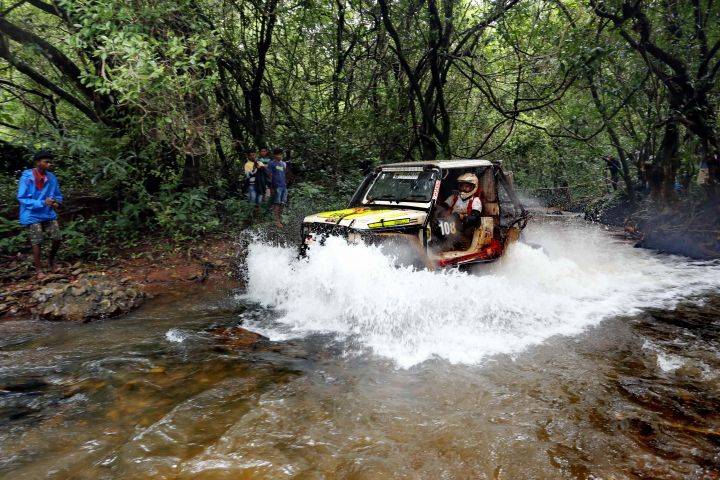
{"x": 405, "y": 204}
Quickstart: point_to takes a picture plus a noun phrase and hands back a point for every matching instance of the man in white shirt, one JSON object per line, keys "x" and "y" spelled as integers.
{"x": 461, "y": 214}
{"x": 466, "y": 202}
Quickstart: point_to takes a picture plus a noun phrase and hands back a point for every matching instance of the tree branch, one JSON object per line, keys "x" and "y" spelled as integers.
{"x": 66, "y": 66}
{"x": 40, "y": 79}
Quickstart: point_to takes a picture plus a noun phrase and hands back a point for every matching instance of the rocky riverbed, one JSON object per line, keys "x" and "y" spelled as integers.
{"x": 86, "y": 291}
{"x": 87, "y": 298}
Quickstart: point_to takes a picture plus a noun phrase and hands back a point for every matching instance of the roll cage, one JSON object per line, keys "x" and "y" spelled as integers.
{"x": 510, "y": 211}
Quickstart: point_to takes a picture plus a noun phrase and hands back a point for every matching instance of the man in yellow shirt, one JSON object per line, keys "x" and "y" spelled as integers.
{"x": 254, "y": 179}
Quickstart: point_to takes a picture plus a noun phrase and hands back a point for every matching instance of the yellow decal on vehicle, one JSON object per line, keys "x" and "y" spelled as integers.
{"x": 371, "y": 213}
{"x": 351, "y": 213}
{"x": 340, "y": 213}
{"x": 392, "y": 223}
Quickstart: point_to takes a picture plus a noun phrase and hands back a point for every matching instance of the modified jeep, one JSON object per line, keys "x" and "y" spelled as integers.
{"x": 405, "y": 204}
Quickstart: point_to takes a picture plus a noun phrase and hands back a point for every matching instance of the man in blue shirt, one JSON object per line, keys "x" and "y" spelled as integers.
{"x": 278, "y": 170}
{"x": 39, "y": 196}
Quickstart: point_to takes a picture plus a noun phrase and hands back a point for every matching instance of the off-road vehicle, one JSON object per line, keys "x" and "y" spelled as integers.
{"x": 401, "y": 203}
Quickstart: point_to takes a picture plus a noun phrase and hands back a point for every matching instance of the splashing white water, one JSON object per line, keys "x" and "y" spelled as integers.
{"x": 579, "y": 277}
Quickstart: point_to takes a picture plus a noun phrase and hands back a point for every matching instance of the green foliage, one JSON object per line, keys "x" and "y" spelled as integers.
{"x": 307, "y": 198}
{"x": 77, "y": 241}
{"x": 147, "y": 104}
{"x": 185, "y": 215}
{"x": 13, "y": 238}
{"x": 234, "y": 212}
{"x": 8, "y": 191}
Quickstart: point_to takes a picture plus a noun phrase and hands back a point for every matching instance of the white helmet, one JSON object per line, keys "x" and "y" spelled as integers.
{"x": 471, "y": 179}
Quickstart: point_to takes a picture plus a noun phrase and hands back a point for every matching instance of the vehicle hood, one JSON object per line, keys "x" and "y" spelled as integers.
{"x": 363, "y": 218}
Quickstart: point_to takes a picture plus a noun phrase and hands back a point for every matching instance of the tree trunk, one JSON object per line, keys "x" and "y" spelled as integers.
{"x": 625, "y": 170}
{"x": 712, "y": 160}
{"x": 337, "y": 70}
{"x": 235, "y": 124}
{"x": 665, "y": 166}
{"x": 629, "y": 187}
{"x": 701, "y": 121}
{"x": 428, "y": 147}
{"x": 191, "y": 171}
{"x": 257, "y": 122}
{"x": 226, "y": 166}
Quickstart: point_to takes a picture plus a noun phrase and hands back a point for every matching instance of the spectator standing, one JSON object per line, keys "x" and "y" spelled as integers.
{"x": 278, "y": 179}
{"x": 39, "y": 197}
{"x": 264, "y": 158}
{"x": 254, "y": 179}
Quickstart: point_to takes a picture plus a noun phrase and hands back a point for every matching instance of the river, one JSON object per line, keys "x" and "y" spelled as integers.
{"x": 583, "y": 359}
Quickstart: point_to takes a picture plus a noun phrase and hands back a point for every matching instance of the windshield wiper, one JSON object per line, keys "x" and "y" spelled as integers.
{"x": 414, "y": 197}
{"x": 386, "y": 196}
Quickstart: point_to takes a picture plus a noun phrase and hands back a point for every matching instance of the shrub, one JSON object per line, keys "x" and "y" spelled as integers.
{"x": 12, "y": 237}
{"x": 185, "y": 215}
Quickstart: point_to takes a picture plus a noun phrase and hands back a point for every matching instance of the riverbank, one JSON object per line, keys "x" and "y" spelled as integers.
{"x": 690, "y": 228}
{"x": 85, "y": 290}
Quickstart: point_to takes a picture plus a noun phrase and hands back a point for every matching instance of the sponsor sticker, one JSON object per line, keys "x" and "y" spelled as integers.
{"x": 436, "y": 192}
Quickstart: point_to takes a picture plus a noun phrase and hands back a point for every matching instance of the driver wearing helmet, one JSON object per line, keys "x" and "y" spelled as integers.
{"x": 466, "y": 202}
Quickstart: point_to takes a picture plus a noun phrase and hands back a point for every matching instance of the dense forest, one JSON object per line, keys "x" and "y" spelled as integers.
{"x": 149, "y": 105}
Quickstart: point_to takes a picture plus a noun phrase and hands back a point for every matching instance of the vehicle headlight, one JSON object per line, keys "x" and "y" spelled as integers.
{"x": 392, "y": 223}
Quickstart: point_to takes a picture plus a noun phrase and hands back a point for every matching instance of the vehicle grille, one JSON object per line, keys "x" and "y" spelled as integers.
{"x": 325, "y": 230}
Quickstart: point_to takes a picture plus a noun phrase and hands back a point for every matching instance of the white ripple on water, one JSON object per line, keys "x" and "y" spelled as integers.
{"x": 581, "y": 276}
{"x": 175, "y": 335}
{"x": 666, "y": 362}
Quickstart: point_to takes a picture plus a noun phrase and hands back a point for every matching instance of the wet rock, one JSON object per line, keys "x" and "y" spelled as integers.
{"x": 238, "y": 337}
{"x": 78, "y": 291}
{"x": 50, "y": 278}
{"x": 30, "y": 385}
{"x": 87, "y": 298}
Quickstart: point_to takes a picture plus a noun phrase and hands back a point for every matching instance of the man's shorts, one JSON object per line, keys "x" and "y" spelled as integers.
{"x": 38, "y": 231}
{"x": 253, "y": 196}
{"x": 280, "y": 195}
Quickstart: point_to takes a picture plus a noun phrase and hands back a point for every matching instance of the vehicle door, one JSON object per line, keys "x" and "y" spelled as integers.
{"x": 446, "y": 227}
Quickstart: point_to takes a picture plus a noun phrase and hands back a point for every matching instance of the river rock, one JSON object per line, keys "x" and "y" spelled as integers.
{"x": 87, "y": 298}
{"x": 239, "y": 338}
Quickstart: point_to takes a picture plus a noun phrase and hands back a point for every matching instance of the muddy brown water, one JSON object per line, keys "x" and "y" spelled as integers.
{"x": 157, "y": 395}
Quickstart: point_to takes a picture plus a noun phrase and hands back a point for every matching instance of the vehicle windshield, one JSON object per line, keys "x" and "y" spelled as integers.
{"x": 402, "y": 186}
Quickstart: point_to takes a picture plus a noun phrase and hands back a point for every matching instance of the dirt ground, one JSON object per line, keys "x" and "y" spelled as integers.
{"x": 155, "y": 269}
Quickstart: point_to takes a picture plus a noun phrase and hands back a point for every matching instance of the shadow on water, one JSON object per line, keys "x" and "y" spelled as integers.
{"x": 159, "y": 395}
